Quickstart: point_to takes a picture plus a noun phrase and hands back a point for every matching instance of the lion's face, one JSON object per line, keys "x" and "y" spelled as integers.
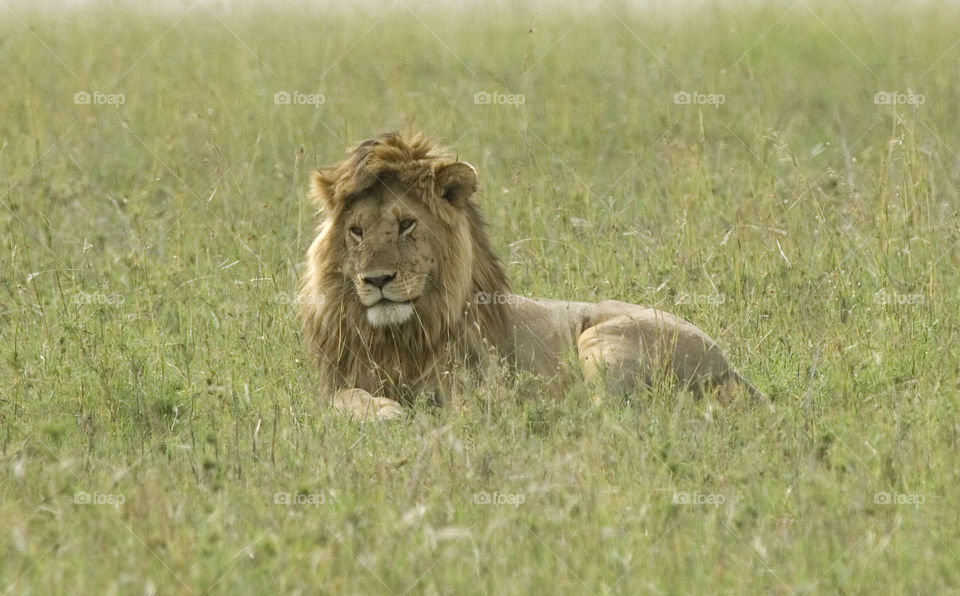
{"x": 391, "y": 253}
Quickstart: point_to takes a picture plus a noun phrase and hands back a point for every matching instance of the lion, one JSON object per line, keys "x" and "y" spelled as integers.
{"x": 401, "y": 287}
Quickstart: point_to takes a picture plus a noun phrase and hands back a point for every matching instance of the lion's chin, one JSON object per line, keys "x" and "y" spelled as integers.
{"x": 386, "y": 313}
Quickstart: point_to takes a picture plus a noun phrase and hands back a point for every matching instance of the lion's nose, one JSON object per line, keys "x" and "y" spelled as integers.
{"x": 380, "y": 280}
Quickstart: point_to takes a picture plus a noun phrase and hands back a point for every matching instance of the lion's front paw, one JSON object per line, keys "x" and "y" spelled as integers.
{"x": 365, "y": 407}
{"x": 386, "y": 409}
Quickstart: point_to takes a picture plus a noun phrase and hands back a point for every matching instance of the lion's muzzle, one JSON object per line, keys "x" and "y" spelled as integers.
{"x": 385, "y": 297}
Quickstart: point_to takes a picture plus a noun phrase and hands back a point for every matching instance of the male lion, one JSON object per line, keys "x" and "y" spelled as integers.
{"x": 401, "y": 286}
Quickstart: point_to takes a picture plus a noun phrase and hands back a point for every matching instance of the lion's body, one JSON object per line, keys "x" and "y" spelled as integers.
{"x": 402, "y": 286}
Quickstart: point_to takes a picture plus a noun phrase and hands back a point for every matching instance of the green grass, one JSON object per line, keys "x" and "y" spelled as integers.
{"x": 150, "y": 256}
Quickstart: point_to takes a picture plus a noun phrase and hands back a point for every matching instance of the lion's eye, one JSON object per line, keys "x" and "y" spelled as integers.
{"x": 407, "y": 225}
{"x": 356, "y": 232}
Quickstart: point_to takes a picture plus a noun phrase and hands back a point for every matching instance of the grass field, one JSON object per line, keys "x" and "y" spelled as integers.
{"x": 783, "y": 175}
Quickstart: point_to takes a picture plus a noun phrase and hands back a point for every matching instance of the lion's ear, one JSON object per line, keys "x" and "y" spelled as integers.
{"x": 321, "y": 187}
{"x": 456, "y": 182}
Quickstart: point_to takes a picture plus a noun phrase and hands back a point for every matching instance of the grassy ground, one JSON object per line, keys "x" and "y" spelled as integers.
{"x": 161, "y": 433}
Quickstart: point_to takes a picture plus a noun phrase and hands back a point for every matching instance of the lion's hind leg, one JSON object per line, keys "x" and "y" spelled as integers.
{"x": 612, "y": 356}
{"x": 627, "y": 353}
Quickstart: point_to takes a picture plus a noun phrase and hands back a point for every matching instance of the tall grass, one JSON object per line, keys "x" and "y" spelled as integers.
{"x": 153, "y": 237}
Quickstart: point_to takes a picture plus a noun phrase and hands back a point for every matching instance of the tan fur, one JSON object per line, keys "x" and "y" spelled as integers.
{"x": 401, "y": 234}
